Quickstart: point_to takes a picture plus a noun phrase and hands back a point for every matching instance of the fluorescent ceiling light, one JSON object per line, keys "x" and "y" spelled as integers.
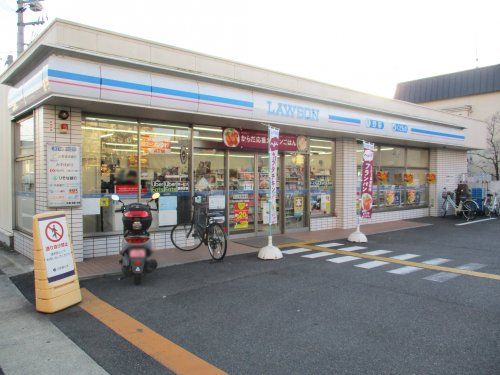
{"x": 208, "y": 138}
{"x": 241, "y": 156}
{"x": 165, "y": 126}
{"x": 387, "y": 149}
{"x": 108, "y": 130}
{"x": 319, "y": 140}
{"x": 107, "y": 135}
{"x": 120, "y": 144}
{"x": 100, "y": 119}
{"x": 322, "y": 147}
{"x": 215, "y": 130}
{"x": 199, "y": 154}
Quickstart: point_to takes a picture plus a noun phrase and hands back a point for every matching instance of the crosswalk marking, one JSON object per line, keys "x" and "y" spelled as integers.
{"x": 317, "y": 254}
{"x": 378, "y": 252}
{"x": 378, "y": 263}
{"x": 330, "y": 244}
{"x": 352, "y": 248}
{"x": 409, "y": 269}
{"x": 344, "y": 259}
{"x": 445, "y": 276}
{"x": 295, "y": 251}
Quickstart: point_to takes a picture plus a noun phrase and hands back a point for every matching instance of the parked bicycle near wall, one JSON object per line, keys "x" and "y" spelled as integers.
{"x": 491, "y": 204}
{"x": 465, "y": 207}
{"x": 205, "y": 227}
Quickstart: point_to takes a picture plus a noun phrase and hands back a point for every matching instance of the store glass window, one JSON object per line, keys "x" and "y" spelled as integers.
{"x": 165, "y": 150}
{"x": 24, "y": 174}
{"x": 399, "y": 177}
{"x": 295, "y": 190}
{"x": 110, "y": 157}
{"x": 209, "y": 177}
{"x": 321, "y": 176}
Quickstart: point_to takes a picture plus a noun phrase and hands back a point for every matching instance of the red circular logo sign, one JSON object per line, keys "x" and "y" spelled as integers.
{"x": 54, "y": 231}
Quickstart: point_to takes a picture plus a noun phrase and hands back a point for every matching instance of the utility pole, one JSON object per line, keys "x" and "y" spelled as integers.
{"x": 20, "y": 27}
{"x": 22, "y": 6}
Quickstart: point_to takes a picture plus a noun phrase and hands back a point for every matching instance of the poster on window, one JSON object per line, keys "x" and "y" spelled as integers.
{"x": 64, "y": 176}
{"x": 241, "y": 210}
{"x": 167, "y": 210}
{"x": 367, "y": 180}
{"x": 155, "y": 144}
{"x": 298, "y": 207}
{"x": 274, "y": 143}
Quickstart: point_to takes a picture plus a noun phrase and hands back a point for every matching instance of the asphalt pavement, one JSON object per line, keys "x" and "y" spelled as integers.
{"x": 315, "y": 314}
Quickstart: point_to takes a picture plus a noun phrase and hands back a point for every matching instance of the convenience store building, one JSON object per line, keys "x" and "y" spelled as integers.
{"x": 92, "y": 113}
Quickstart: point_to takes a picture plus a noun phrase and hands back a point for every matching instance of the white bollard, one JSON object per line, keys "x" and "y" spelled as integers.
{"x": 357, "y": 236}
{"x": 270, "y": 251}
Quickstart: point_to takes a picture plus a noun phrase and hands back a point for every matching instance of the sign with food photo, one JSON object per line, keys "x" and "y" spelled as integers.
{"x": 431, "y": 178}
{"x": 231, "y": 137}
{"x": 367, "y": 180}
{"x": 382, "y": 177}
{"x": 408, "y": 178}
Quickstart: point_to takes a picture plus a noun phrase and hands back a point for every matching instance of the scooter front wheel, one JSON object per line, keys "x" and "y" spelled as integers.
{"x": 137, "y": 278}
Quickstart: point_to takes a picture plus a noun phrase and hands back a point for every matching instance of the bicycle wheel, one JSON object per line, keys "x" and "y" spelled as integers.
{"x": 444, "y": 208}
{"x": 186, "y": 237}
{"x": 217, "y": 241}
{"x": 469, "y": 210}
{"x": 486, "y": 209}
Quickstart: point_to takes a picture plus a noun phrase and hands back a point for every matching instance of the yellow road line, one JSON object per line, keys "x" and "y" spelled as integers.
{"x": 169, "y": 354}
{"x": 397, "y": 261}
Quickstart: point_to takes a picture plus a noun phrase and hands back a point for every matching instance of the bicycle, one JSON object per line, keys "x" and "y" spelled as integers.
{"x": 491, "y": 204}
{"x": 467, "y": 207}
{"x": 205, "y": 228}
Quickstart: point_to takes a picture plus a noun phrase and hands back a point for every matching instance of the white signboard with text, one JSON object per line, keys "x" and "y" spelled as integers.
{"x": 53, "y": 232}
{"x": 64, "y": 187}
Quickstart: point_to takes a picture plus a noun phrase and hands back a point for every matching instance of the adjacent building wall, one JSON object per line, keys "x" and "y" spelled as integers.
{"x": 6, "y": 170}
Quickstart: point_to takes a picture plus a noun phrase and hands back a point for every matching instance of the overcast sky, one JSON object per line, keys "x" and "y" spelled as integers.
{"x": 364, "y": 45}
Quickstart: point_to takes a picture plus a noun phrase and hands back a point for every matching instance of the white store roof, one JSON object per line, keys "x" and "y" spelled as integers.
{"x": 275, "y": 97}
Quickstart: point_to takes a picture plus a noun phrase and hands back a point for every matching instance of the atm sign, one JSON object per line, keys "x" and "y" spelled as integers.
{"x": 400, "y": 128}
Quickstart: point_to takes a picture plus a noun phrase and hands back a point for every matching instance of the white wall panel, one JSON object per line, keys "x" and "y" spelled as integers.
{"x": 125, "y": 85}
{"x": 174, "y": 93}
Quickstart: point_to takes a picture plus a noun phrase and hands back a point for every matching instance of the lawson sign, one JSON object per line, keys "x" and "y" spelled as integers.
{"x": 65, "y": 76}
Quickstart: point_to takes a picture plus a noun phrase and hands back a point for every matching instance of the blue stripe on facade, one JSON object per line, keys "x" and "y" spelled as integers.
{"x": 344, "y": 119}
{"x": 219, "y": 99}
{"x": 184, "y": 94}
{"x": 439, "y": 134}
{"x": 125, "y": 85}
{"x": 146, "y": 88}
{"x": 74, "y": 76}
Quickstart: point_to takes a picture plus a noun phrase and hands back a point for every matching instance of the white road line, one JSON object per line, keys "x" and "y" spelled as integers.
{"x": 378, "y": 252}
{"x": 409, "y": 269}
{"x": 344, "y": 259}
{"x": 330, "y": 244}
{"x": 445, "y": 276}
{"x": 475, "y": 221}
{"x": 317, "y": 254}
{"x": 295, "y": 251}
{"x": 378, "y": 263}
{"x": 352, "y": 248}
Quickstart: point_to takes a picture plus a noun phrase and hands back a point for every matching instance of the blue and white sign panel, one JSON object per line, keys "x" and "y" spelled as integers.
{"x": 68, "y": 76}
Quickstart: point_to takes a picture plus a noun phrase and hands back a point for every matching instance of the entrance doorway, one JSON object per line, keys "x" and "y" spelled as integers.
{"x": 248, "y": 193}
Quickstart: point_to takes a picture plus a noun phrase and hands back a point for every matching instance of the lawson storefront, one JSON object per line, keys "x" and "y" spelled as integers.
{"x": 87, "y": 124}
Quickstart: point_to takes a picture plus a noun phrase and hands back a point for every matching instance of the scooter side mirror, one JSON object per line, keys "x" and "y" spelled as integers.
{"x": 115, "y": 197}
{"x": 155, "y": 196}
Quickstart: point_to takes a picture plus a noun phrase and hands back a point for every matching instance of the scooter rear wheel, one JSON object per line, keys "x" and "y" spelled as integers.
{"x": 137, "y": 278}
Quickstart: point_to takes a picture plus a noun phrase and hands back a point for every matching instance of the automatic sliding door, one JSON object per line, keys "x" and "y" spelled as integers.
{"x": 241, "y": 193}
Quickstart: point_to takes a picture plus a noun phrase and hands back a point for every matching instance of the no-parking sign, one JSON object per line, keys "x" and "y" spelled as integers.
{"x": 56, "y": 247}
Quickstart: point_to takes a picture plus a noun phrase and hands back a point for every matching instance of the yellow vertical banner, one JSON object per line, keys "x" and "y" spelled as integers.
{"x": 56, "y": 279}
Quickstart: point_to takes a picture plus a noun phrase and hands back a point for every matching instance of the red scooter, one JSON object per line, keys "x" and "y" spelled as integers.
{"x": 137, "y": 247}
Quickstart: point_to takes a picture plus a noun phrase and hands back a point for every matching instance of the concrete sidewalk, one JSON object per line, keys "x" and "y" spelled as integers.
{"x": 108, "y": 265}
{"x": 29, "y": 342}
